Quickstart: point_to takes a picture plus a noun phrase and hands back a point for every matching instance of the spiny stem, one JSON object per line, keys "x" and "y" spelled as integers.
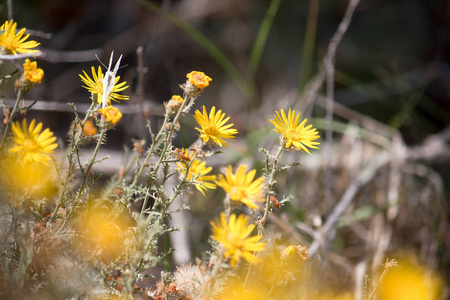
{"x": 11, "y": 116}
{"x": 85, "y": 177}
{"x": 270, "y": 184}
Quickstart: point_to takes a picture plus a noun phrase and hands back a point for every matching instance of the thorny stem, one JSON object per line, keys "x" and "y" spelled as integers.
{"x": 85, "y": 177}
{"x": 11, "y": 116}
{"x": 270, "y": 184}
{"x": 158, "y": 137}
{"x": 74, "y": 145}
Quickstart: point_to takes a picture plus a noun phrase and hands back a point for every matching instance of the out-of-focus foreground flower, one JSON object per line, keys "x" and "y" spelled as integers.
{"x": 32, "y": 179}
{"x": 95, "y": 86}
{"x": 104, "y": 231}
{"x": 410, "y": 281}
{"x": 241, "y": 187}
{"x": 295, "y": 134}
{"x": 12, "y": 43}
{"x": 213, "y": 126}
{"x": 32, "y": 144}
{"x": 233, "y": 236}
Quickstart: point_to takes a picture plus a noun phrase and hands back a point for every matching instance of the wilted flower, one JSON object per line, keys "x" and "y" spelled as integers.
{"x": 95, "y": 86}
{"x": 295, "y": 134}
{"x": 12, "y": 43}
{"x": 233, "y": 236}
{"x": 241, "y": 186}
{"x": 31, "y": 144}
{"x": 213, "y": 126}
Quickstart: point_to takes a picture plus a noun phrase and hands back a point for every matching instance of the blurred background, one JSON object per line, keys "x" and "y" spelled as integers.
{"x": 391, "y": 105}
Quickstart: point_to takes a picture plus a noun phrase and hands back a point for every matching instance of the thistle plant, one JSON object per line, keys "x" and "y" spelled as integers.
{"x": 100, "y": 223}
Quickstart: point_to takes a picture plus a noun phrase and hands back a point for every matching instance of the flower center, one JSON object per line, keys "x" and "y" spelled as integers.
{"x": 237, "y": 193}
{"x": 212, "y": 130}
{"x": 29, "y": 145}
{"x": 98, "y": 87}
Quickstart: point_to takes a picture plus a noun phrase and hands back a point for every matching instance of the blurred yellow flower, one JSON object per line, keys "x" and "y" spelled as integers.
{"x": 213, "y": 126}
{"x": 199, "y": 79}
{"x": 409, "y": 281}
{"x": 103, "y": 230}
{"x": 297, "y": 254}
{"x": 111, "y": 114}
{"x": 13, "y": 43}
{"x": 31, "y": 72}
{"x": 233, "y": 236}
{"x": 234, "y": 289}
{"x": 241, "y": 187}
{"x": 31, "y": 144}
{"x": 95, "y": 86}
{"x": 295, "y": 134}
{"x": 33, "y": 179}
{"x": 197, "y": 172}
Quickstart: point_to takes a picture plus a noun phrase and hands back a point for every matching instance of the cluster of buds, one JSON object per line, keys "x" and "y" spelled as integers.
{"x": 31, "y": 75}
{"x": 174, "y": 104}
{"x": 110, "y": 116}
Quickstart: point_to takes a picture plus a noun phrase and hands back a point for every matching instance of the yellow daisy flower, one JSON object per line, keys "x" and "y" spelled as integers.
{"x": 15, "y": 43}
{"x": 199, "y": 79}
{"x": 31, "y": 72}
{"x": 111, "y": 114}
{"x": 213, "y": 126}
{"x": 95, "y": 86}
{"x": 296, "y": 135}
{"x": 233, "y": 236}
{"x": 197, "y": 172}
{"x": 31, "y": 144}
{"x": 241, "y": 187}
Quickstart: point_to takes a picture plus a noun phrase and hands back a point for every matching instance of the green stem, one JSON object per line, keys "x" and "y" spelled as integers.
{"x": 75, "y": 142}
{"x": 11, "y": 117}
{"x": 85, "y": 177}
{"x": 270, "y": 184}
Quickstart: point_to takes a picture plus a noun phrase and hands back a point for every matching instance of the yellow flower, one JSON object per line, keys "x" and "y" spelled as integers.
{"x": 241, "y": 187}
{"x": 111, "y": 114}
{"x": 197, "y": 173}
{"x": 104, "y": 229}
{"x": 199, "y": 79}
{"x": 233, "y": 236}
{"x": 95, "y": 86}
{"x": 31, "y": 71}
{"x": 213, "y": 126}
{"x": 31, "y": 144}
{"x": 174, "y": 104}
{"x": 296, "y": 135}
{"x": 15, "y": 43}
{"x": 177, "y": 99}
{"x": 410, "y": 281}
